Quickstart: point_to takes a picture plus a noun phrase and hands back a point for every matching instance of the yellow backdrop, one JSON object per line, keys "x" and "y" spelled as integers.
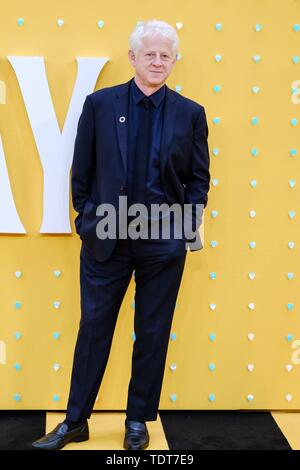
{"x": 225, "y": 353}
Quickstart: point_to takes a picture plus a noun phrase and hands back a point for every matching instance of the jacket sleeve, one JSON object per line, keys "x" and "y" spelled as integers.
{"x": 197, "y": 185}
{"x": 83, "y": 160}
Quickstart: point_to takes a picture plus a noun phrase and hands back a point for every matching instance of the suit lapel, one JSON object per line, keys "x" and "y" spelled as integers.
{"x": 121, "y": 111}
{"x": 169, "y": 120}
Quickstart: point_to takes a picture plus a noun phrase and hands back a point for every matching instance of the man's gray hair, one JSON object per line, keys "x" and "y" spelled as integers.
{"x": 145, "y": 28}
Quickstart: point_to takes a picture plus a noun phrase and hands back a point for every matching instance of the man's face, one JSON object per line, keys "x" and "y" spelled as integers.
{"x": 154, "y": 61}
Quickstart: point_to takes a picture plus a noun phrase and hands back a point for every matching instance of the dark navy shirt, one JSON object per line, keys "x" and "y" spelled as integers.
{"x": 153, "y": 191}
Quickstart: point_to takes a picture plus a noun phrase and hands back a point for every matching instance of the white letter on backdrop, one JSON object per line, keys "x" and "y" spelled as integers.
{"x": 10, "y": 221}
{"x": 55, "y": 148}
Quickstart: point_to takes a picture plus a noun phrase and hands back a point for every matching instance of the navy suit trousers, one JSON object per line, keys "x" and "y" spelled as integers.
{"x": 158, "y": 267}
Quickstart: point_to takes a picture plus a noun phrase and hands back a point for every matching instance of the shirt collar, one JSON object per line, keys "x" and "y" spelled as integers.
{"x": 155, "y": 97}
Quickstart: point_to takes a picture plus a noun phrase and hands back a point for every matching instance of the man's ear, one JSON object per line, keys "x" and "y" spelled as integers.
{"x": 131, "y": 55}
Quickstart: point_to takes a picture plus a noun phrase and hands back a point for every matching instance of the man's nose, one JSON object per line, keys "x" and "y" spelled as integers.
{"x": 157, "y": 60}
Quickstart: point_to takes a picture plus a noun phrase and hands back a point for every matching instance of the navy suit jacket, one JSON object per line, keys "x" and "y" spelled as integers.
{"x": 99, "y": 167}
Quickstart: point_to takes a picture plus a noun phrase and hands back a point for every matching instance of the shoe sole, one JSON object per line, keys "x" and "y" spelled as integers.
{"x": 84, "y": 437}
{"x": 143, "y": 447}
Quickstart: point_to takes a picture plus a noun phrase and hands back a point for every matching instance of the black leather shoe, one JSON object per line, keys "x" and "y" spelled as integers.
{"x": 60, "y": 436}
{"x": 136, "y": 435}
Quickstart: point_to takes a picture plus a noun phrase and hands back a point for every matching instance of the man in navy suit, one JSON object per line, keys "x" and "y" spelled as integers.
{"x": 142, "y": 143}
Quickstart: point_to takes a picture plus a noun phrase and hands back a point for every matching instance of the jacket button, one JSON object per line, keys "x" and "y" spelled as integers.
{"x": 122, "y": 188}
